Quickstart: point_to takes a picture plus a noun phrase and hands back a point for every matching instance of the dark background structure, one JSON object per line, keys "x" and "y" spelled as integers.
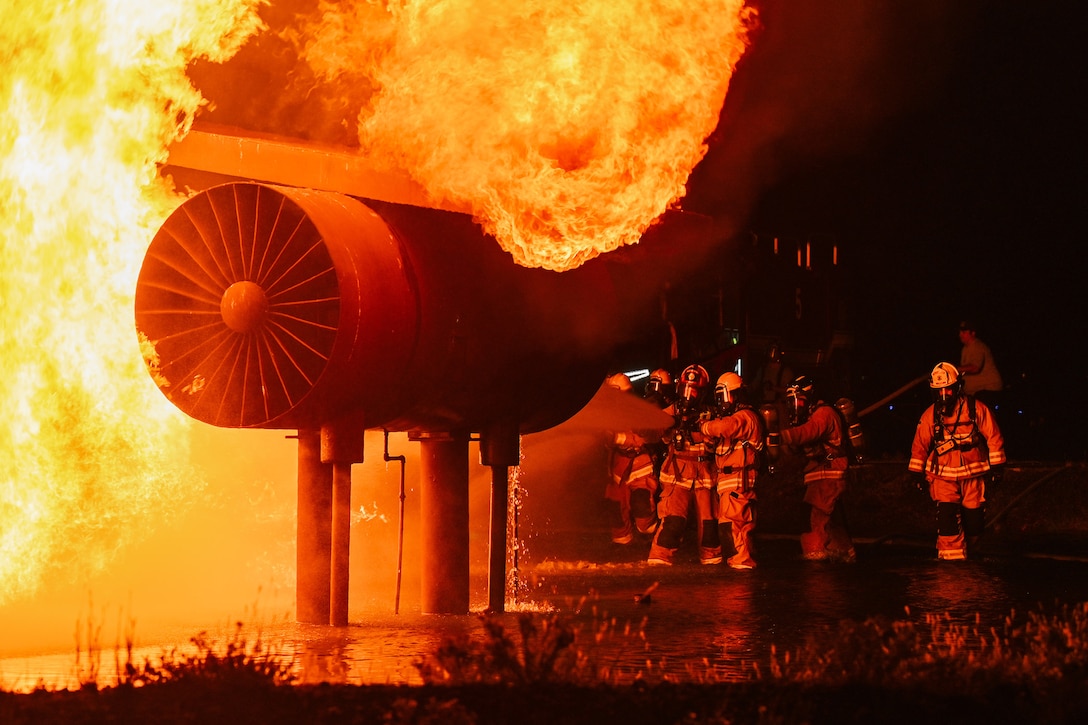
{"x": 938, "y": 146}
{"x": 942, "y": 146}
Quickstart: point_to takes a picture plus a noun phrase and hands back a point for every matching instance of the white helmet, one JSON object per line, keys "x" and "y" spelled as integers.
{"x": 947, "y": 384}
{"x": 944, "y": 375}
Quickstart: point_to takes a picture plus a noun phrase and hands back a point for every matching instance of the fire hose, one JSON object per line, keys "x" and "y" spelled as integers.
{"x": 892, "y": 396}
{"x": 996, "y": 516}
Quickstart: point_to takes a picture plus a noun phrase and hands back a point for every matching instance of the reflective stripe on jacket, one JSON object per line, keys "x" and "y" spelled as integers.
{"x": 821, "y": 439}
{"x": 955, "y": 452}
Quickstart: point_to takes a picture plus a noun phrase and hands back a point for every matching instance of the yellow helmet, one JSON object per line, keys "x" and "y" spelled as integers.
{"x": 725, "y": 392}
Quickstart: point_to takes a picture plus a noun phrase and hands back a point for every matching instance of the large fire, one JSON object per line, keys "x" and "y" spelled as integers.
{"x": 567, "y": 128}
{"x": 92, "y": 93}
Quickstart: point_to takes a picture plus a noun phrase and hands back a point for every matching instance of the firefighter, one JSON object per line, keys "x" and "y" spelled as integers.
{"x": 660, "y": 388}
{"x": 687, "y": 475}
{"x": 957, "y": 448}
{"x": 816, "y": 430}
{"x": 661, "y": 391}
{"x": 736, "y": 435}
{"x": 633, "y": 485}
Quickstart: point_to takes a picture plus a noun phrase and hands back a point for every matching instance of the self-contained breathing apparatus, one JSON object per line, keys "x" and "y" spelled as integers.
{"x": 802, "y": 398}
{"x": 689, "y": 408}
{"x": 661, "y": 391}
{"x": 854, "y": 441}
{"x": 772, "y": 446}
{"x": 730, "y": 400}
{"x": 947, "y": 385}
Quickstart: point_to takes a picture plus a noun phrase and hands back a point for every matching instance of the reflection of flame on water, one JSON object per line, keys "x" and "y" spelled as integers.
{"x": 364, "y": 515}
{"x": 567, "y": 128}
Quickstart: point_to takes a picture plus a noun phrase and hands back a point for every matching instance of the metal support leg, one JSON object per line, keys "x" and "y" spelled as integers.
{"x": 313, "y": 548}
{"x": 444, "y": 514}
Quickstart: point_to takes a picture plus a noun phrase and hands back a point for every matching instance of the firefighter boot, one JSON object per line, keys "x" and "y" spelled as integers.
{"x": 618, "y": 525}
{"x": 974, "y": 523}
{"x": 950, "y": 539}
{"x": 710, "y": 547}
{"x": 642, "y": 510}
{"x": 666, "y": 541}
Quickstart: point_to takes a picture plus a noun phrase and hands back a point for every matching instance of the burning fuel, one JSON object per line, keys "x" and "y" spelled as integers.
{"x": 92, "y": 93}
{"x": 567, "y": 128}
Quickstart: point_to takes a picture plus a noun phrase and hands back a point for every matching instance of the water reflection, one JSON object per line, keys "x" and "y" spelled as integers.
{"x": 700, "y": 622}
{"x": 961, "y": 590}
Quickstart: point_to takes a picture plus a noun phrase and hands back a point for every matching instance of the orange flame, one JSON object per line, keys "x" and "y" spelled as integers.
{"x": 92, "y": 93}
{"x": 568, "y": 128}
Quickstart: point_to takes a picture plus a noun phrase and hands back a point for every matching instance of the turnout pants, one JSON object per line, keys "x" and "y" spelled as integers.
{"x": 960, "y": 516}
{"x": 827, "y": 537}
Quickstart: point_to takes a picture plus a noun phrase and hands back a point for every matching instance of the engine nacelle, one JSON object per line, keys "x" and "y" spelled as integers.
{"x": 278, "y": 307}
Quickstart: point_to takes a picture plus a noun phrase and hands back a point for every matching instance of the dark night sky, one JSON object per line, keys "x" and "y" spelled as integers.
{"x": 942, "y": 144}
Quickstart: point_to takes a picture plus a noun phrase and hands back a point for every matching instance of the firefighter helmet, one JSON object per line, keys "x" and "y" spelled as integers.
{"x": 658, "y": 380}
{"x": 692, "y": 382}
{"x": 947, "y": 384}
{"x": 944, "y": 375}
{"x": 726, "y": 392}
{"x": 659, "y": 387}
{"x": 620, "y": 382}
{"x": 800, "y": 397}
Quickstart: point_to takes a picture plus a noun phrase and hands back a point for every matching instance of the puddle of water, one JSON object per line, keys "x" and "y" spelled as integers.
{"x": 699, "y": 622}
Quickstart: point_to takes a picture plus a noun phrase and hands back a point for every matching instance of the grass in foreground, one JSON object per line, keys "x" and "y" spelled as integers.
{"x": 1033, "y": 668}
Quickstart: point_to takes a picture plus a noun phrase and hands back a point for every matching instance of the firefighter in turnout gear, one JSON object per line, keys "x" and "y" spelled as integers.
{"x": 661, "y": 391}
{"x": 736, "y": 436}
{"x": 816, "y": 431}
{"x": 687, "y": 475}
{"x": 957, "y": 448}
{"x": 633, "y": 485}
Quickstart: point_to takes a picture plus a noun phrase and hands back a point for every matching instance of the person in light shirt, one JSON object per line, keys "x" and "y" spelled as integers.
{"x": 981, "y": 378}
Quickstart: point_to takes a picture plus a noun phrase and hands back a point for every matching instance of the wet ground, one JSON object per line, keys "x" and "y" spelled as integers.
{"x": 711, "y": 621}
{"x": 698, "y": 622}
{"x": 701, "y": 622}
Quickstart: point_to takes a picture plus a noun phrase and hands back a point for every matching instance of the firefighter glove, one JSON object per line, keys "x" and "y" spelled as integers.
{"x": 997, "y": 473}
{"x": 920, "y": 481}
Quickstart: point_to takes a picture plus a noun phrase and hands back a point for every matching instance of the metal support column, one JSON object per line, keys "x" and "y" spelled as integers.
{"x": 313, "y": 548}
{"x": 444, "y": 515}
{"x": 500, "y": 449}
